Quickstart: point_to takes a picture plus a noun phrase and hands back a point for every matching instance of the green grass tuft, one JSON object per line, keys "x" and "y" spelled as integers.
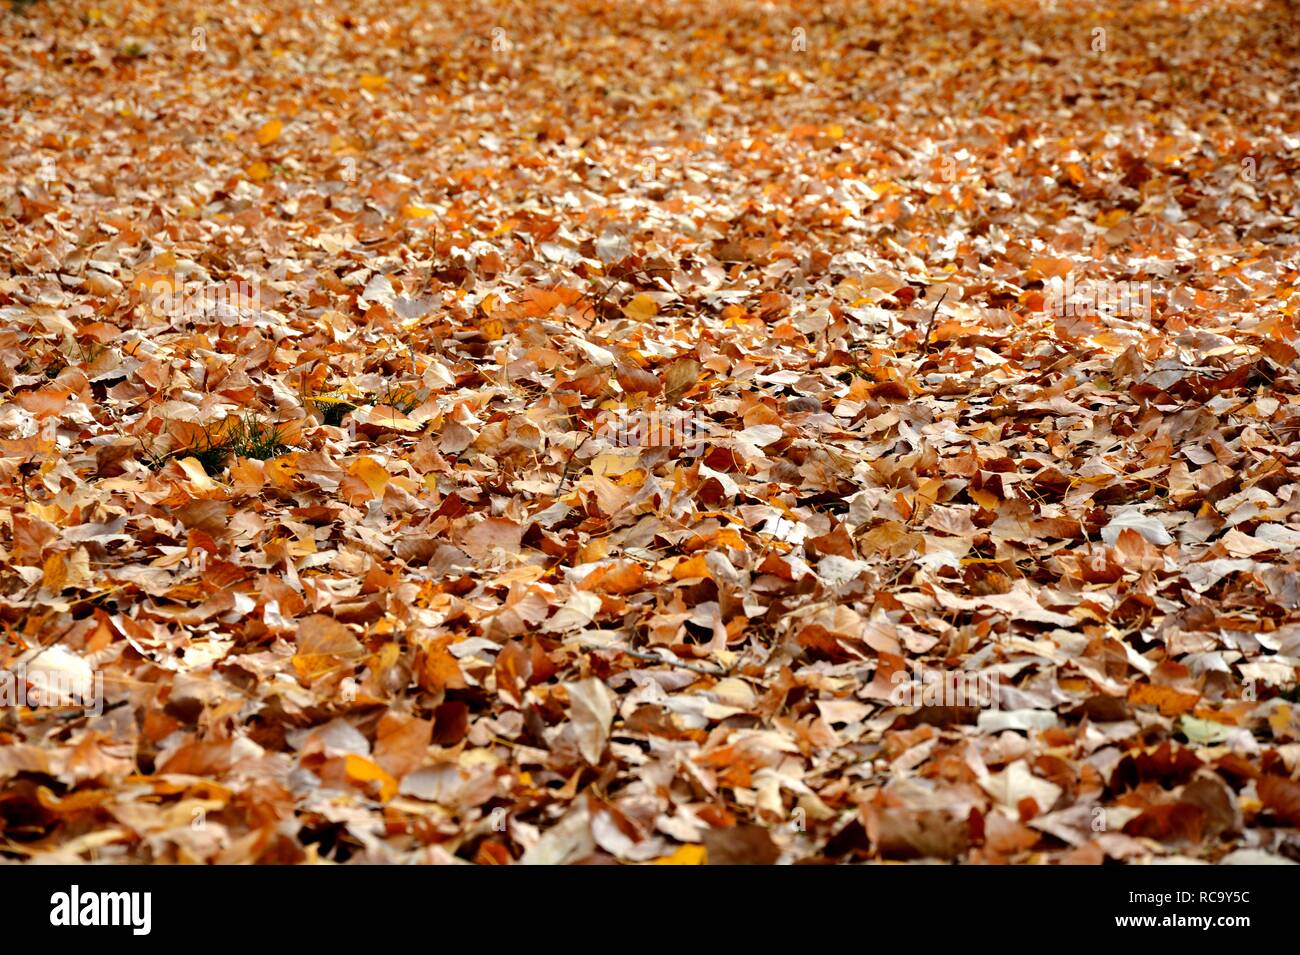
{"x": 244, "y": 437}
{"x": 251, "y": 437}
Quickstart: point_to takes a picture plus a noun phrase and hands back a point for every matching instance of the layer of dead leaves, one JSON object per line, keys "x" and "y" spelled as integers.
{"x": 456, "y": 624}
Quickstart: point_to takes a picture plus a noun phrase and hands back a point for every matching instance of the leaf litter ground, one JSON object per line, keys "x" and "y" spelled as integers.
{"x": 557, "y": 432}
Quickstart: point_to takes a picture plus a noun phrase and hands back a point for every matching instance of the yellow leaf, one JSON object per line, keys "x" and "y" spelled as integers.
{"x": 689, "y": 854}
{"x": 1279, "y": 719}
{"x": 641, "y": 308}
{"x": 1112, "y": 218}
{"x": 416, "y": 211}
{"x": 364, "y": 771}
{"x": 259, "y": 171}
{"x": 194, "y": 471}
{"x": 373, "y": 473}
{"x": 269, "y": 132}
{"x": 633, "y": 478}
{"x": 282, "y": 470}
{"x": 334, "y": 398}
{"x": 611, "y": 464}
{"x": 46, "y": 512}
{"x": 373, "y": 83}
{"x": 54, "y": 574}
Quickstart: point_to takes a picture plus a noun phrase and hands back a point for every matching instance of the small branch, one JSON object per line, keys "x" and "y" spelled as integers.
{"x": 572, "y": 454}
{"x": 654, "y": 658}
{"x": 925, "y": 342}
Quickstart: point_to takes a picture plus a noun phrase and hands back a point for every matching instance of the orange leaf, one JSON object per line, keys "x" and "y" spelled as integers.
{"x": 269, "y": 132}
{"x": 1171, "y": 701}
{"x": 694, "y": 567}
{"x": 363, "y": 770}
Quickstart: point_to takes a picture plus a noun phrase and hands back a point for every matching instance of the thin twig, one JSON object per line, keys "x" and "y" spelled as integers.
{"x": 654, "y": 658}
{"x": 572, "y": 454}
{"x": 925, "y": 343}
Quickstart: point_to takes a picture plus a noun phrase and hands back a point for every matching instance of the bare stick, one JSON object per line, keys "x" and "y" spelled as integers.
{"x": 565, "y": 476}
{"x": 925, "y": 343}
{"x": 653, "y": 658}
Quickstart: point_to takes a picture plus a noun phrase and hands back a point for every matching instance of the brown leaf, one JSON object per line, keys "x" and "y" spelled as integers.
{"x": 740, "y": 845}
{"x": 680, "y": 377}
{"x": 591, "y": 707}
